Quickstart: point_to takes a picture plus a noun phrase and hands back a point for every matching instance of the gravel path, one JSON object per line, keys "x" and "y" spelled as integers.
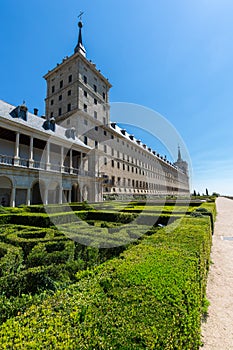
{"x": 217, "y": 332}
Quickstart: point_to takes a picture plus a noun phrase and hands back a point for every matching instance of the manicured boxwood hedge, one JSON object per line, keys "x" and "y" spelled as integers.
{"x": 57, "y": 252}
{"x": 11, "y": 259}
{"x": 151, "y": 298}
{"x": 27, "y": 237}
{"x": 34, "y": 279}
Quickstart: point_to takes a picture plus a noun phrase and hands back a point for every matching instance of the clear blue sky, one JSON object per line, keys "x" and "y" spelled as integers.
{"x": 175, "y": 57}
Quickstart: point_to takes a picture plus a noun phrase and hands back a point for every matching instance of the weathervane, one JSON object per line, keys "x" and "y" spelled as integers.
{"x": 80, "y": 15}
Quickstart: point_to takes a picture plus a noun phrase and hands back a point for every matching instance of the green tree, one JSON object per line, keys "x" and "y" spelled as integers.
{"x": 207, "y": 192}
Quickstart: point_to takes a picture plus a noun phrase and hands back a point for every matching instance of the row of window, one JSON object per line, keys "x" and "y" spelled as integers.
{"x": 85, "y": 94}
{"x": 136, "y": 170}
{"x": 60, "y": 111}
{"x": 94, "y": 87}
{"x": 135, "y": 183}
{"x": 95, "y": 116}
{"x": 60, "y": 97}
{"x": 61, "y": 84}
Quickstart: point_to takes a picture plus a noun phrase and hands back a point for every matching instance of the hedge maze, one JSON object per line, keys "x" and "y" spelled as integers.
{"x": 110, "y": 277}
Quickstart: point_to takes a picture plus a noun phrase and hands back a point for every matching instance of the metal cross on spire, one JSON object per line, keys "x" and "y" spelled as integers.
{"x": 80, "y": 15}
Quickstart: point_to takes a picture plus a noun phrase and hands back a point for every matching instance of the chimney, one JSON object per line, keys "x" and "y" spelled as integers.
{"x": 36, "y": 111}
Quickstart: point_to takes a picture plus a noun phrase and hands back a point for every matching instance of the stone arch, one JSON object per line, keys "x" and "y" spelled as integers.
{"x": 37, "y": 192}
{"x": 75, "y": 193}
{"x": 5, "y": 191}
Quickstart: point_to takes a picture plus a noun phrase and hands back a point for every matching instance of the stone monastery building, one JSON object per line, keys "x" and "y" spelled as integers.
{"x": 75, "y": 152}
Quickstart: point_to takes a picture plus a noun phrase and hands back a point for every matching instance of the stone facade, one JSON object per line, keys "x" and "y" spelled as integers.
{"x": 41, "y": 162}
{"x": 126, "y": 165}
{"x": 76, "y": 153}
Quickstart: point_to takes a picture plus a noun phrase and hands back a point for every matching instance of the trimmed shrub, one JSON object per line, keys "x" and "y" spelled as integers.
{"x": 11, "y": 259}
{"x": 27, "y": 237}
{"x": 33, "y": 280}
{"x": 57, "y": 252}
{"x": 151, "y": 298}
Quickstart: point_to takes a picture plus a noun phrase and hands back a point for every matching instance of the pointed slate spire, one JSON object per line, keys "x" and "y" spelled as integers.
{"x": 79, "y": 47}
{"x": 179, "y": 155}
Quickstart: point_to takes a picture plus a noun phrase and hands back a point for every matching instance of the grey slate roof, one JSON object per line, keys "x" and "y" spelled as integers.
{"x": 36, "y": 123}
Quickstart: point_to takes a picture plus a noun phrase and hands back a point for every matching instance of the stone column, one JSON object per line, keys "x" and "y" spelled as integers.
{"x": 81, "y": 164}
{"x": 60, "y": 194}
{"x": 48, "y": 156}
{"x": 16, "y": 157}
{"x": 31, "y": 160}
{"x": 71, "y": 161}
{"x": 45, "y": 199}
{"x": 69, "y": 196}
{"x": 62, "y": 159}
{"x": 28, "y": 196}
{"x": 13, "y": 197}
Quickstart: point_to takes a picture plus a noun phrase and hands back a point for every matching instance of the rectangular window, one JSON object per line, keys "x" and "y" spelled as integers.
{"x": 112, "y": 163}
{"x": 85, "y": 93}
{"x": 104, "y": 96}
{"x": 95, "y": 88}
{"x": 96, "y": 144}
{"x": 123, "y": 166}
{"x": 51, "y": 102}
{"x": 118, "y": 165}
{"x": 59, "y": 111}
{"x": 61, "y": 84}
{"x": 104, "y": 120}
{"x": 105, "y": 161}
{"x": 105, "y": 133}
{"x": 112, "y": 137}
{"x": 105, "y": 148}
{"x": 85, "y": 140}
{"x": 53, "y": 88}
{"x": 112, "y": 152}
{"x": 69, "y": 107}
{"x": 69, "y": 93}
{"x": 95, "y": 101}
{"x": 118, "y": 154}
{"x": 85, "y": 79}
{"x": 51, "y": 114}
{"x": 95, "y": 114}
{"x": 60, "y": 97}
{"x": 70, "y": 78}
{"x": 96, "y": 128}
{"x": 85, "y": 108}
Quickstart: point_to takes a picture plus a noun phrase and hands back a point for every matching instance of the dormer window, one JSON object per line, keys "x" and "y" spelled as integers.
{"x": 50, "y": 124}
{"x": 20, "y": 112}
{"x": 70, "y": 133}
